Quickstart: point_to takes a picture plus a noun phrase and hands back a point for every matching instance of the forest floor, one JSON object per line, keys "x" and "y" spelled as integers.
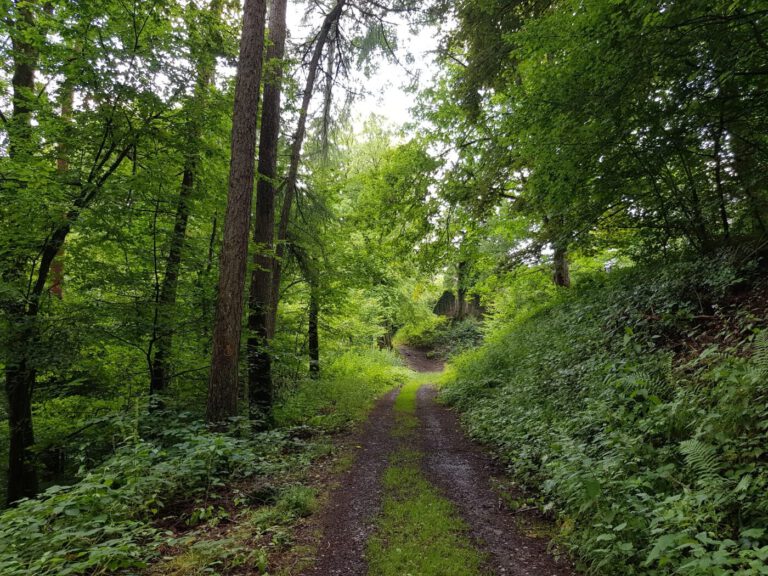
{"x": 419, "y": 498}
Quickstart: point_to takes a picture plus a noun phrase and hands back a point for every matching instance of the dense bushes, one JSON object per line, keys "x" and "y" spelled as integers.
{"x": 638, "y": 405}
{"x": 105, "y": 522}
{"x": 422, "y": 334}
{"x": 442, "y": 336}
{"x": 101, "y": 522}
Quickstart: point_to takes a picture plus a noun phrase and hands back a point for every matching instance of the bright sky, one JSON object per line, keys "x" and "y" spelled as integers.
{"x": 388, "y": 97}
{"x": 385, "y": 90}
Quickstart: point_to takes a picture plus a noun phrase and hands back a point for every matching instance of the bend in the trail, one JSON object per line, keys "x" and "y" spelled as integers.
{"x": 419, "y": 360}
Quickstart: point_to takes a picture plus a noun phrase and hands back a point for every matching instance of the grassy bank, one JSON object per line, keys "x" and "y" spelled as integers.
{"x": 636, "y": 404}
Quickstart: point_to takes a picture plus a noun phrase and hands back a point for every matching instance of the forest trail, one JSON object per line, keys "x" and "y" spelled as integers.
{"x": 361, "y": 531}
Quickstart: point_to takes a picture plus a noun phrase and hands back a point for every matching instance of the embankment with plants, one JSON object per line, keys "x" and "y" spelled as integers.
{"x": 440, "y": 336}
{"x": 635, "y": 407}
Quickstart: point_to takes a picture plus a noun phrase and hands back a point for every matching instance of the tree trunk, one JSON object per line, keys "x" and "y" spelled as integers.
{"x": 260, "y": 390}
{"x": 313, "y": 335}
{"x": 223, "y": 382}
{"x": 161, "y": 368}
{"x": 19, "y": 375}
{"x": 561, "y": 275}
{"x": 25, "y": 59}
{"x": 62, "y": 168}
{"x": 718, "y": 160}
{"x": 19, "y": 385}
{"x": 749, "y": 174}
{"x": 293, "y": 170}
{"x": 311, "y": 276}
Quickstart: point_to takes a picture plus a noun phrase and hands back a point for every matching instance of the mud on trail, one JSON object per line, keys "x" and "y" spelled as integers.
{"x": 462, "y": 472}
{"x": 347, "y": 520}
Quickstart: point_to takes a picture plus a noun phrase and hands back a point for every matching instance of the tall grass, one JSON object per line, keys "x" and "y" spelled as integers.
{"x": 345, "y": 392}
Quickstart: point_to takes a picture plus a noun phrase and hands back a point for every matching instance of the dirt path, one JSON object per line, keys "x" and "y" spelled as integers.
{"x": 418, "y": 360}
{"x": 464, "y": 473}
{"x": 461, "y": 471}
{"x": 348, "y": 519}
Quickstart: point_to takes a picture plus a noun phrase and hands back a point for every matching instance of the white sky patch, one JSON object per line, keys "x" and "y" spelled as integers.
{"x": 385, "y": 92}
{"x": 388, "y": 94}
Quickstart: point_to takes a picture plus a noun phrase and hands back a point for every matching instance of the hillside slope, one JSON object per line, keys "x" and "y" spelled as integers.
{"x": 636, "y": 405}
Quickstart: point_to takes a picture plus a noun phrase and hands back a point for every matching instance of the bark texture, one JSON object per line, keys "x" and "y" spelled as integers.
{"x": 160, "y": 370}
{"x": 313, "y": 333}
{"x": 20, "y": 375}
{"x": 260, "y": 390}
{"x": 223, "y": 382}
{"x": 561, "y": 275}
{"x": 461, "y": 290}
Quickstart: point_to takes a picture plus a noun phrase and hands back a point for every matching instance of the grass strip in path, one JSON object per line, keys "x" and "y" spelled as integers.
{"x": 418, "y": 532}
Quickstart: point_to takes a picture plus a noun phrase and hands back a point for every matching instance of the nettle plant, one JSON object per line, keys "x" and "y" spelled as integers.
{"x": 654, "y": 465}
{"x": 102, "y": 523}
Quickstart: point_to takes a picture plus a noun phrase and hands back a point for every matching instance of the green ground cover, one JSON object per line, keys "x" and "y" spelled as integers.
{"x": 419, "y": 531}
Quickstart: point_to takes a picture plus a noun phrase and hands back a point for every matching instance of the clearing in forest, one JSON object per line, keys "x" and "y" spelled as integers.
{"x": 421, "y": 499}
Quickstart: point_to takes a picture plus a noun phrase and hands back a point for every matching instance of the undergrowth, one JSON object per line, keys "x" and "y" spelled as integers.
{"x": 344, "y": 393}
{"x": 115, "y": 516}
{"x": 243, "y": 545}
{"x": 103, "y": 522}
{"x": 441, "y": 336}
{"x": 637, "y": 404}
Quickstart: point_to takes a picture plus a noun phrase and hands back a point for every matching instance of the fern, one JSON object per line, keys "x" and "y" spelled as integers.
{"x": 644, "y": 384}
{"x": 760, "y": 357}
{"x": 701, "y": 458}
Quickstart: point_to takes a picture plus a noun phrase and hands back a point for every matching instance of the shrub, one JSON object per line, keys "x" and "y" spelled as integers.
{"x": 653, "y": 457}
{"x": 344, "y": 393}
{"x": 101, "y": 523}
{"x": 422, "y": 334}
{"x": 441, "y": 336}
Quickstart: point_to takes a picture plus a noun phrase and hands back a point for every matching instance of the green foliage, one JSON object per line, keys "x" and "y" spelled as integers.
{"x": 102, "y": 523}
{"x": 345, "y": 392}
{"x": 423, "y": 334}
{"x": 297, "y": 501}
{"x": 205, "y": 557}
{"x": 460, "y": 335}
{"x": 245, "y": 545}
{"x": 605, "y": 130}
{"x": 633, "y": 126}
{"x": 642, "y": 426}
{"x": 442, "y": 336}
